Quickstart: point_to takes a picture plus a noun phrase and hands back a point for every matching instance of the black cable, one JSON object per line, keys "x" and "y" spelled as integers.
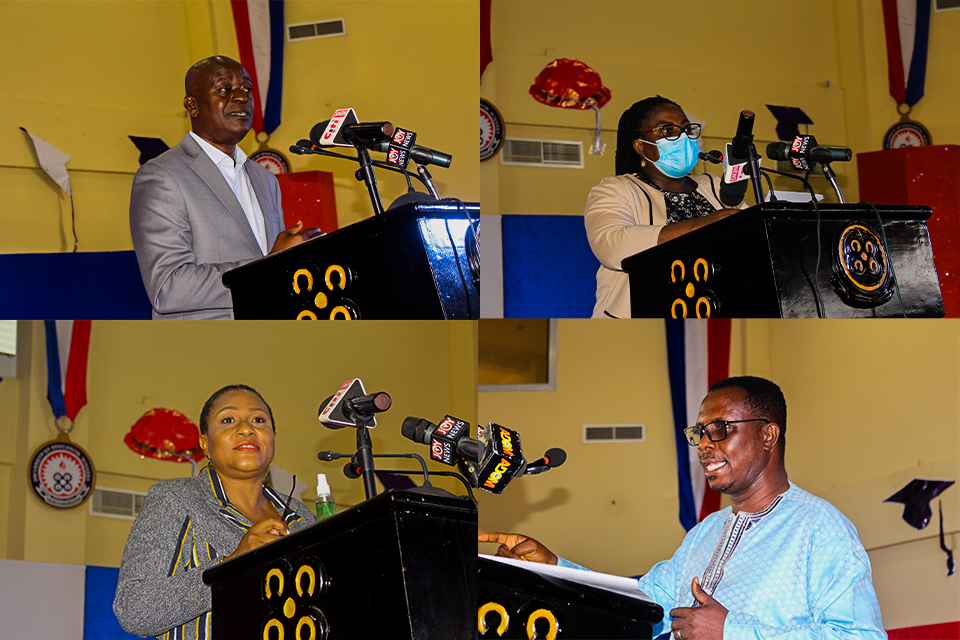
{"x": 436, "y": 473}
{"x": 893, "y": 272}
{"x": 770, "y": 195}
{"x": 817, "y": 296}
{"x": 377, "y": 163}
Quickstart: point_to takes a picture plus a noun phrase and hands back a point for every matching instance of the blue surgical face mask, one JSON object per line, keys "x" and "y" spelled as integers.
{"x": 677, "y": 157}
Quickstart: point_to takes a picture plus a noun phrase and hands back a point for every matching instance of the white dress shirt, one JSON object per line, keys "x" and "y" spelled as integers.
{"x": 239, "y": 181}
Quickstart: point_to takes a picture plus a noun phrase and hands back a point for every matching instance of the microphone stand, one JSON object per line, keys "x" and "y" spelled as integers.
{"x": 832, "y": 179}
{"x": 366, "y": 174}
{"x": 365, "y": 453}
{"x": 427, "y": 179}
{"x": 753, "y": 166}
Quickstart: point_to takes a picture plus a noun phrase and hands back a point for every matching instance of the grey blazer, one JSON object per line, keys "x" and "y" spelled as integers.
{"x": 185, "y": 526}
{"x": 188, "y": 229}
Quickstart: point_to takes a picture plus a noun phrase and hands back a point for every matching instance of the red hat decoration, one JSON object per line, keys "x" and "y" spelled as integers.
{"x": 165, "y": 434}
{"x": 570, "y": 84}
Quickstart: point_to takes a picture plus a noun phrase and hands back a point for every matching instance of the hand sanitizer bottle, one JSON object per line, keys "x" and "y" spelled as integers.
{"x": 325, "y": 504}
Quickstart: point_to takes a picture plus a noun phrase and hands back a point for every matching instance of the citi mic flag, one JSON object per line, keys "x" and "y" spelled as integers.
{"x": 698, "y": 355}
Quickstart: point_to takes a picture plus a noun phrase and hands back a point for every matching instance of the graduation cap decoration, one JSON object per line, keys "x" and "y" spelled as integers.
{"x": 788, "y": 121}
{"x": 165, "y": 434}
{"x": 915, "y": 497}
{"x": 570, "y": 84}
{"x": 149, "y": 148}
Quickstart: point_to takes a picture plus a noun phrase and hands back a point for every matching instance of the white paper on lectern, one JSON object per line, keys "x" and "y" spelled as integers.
{"x": 617, "y": 584}
{"x": 793, "y": 196}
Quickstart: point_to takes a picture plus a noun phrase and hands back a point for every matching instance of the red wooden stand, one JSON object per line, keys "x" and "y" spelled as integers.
{"x": 922, "y": 176}
{"x": 308, "y": 196}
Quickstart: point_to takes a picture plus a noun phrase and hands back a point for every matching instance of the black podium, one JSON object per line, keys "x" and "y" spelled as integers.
{"x": 416, "y": 262}
{"x": 763, "y": 263}
{"x": 514, "y": 601}
{"x": 400, "y": 565}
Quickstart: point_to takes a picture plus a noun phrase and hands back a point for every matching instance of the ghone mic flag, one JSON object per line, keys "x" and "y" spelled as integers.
{"x": 349, "y": 402}
{"x": 733, "y": 186}
{"x": 344, "y": 130}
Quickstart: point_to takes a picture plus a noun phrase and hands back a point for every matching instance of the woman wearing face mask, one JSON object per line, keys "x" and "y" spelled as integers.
{"x": 651, "y": 199}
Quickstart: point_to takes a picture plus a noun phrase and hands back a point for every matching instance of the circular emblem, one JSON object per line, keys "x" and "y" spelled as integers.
{"x": 906, "y": 133}
{"x": 61, "y": 474}
{"x": 491, "y": 130}
{"x": 861, "y": 274}
{"x": 272, "y": 161}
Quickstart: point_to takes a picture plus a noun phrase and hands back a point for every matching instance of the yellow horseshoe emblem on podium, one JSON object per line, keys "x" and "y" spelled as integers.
{"x": 504, "y": 618}
{"x": 279, "y": 576}
{"x": 296, "y": 280}
{"x": 545, "y": 615}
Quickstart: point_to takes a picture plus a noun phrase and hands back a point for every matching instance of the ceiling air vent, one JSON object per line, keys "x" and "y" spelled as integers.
{"x": 323, "y": 29}
{"x": 542, "y": 153}
{"x": 614, "y": 433}
{"x": 116, "y": 503}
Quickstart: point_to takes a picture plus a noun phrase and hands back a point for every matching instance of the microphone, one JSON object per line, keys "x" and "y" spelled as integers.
{"x": 449, "y": 442}
{"x": 714, "y": 157}
{"x": 420, "y": 155}
{"x": 735, "y": 161}
{"x": 351, "y": 404}
{"x": 552, "y": 458}
{"x": 303, "y": 147}
{"x": 344, "y": 130}
{"x": 804, "y": 153}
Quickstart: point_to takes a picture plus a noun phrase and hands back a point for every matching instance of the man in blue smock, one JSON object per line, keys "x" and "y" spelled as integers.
{"x": 778, "y": 563}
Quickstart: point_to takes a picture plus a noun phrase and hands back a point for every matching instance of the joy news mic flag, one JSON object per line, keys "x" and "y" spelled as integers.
{"x": 259, "y": 26}
{"x": 68, "y": 343}
{"x": 698, "y": 355}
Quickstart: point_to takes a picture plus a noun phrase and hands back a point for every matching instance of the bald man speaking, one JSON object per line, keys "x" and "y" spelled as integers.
{"x": 201, "y": 209}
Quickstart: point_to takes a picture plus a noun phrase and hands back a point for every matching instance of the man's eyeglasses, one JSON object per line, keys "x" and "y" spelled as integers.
{"x": 716, "y": 430}
{"x": 672, "y": 131}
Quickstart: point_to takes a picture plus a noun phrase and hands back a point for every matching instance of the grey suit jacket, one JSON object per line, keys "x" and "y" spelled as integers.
{"x": 188, "y": 229}
{"x": 185, "y": 526}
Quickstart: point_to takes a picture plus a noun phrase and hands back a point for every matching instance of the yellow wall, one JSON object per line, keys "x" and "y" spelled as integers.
{"x": 85, "y": 74}
{"x": 429, "y": 369}
{"x": 871, "y": 405}
{"x": 714, "y": 59}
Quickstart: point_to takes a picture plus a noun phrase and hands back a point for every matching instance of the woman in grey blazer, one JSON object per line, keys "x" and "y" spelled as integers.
{"x": 188, "y": 525}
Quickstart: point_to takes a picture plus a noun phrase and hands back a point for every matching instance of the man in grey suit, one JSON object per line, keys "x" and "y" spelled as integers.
{"x": 201, "y": 208}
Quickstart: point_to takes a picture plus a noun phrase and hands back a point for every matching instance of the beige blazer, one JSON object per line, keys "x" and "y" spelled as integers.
{"x": 624, "y": 216}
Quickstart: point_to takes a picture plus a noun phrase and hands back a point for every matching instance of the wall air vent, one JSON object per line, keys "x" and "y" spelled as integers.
{"x": 116, "y": 503}
{"x": 614, "y": 433}
{"x": 946, "y": 5}
{"x": 310, "y": 30}
{"x": 542, "y": 153}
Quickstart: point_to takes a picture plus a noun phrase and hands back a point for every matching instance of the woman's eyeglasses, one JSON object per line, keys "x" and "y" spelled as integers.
{"x": 672, "y": 131}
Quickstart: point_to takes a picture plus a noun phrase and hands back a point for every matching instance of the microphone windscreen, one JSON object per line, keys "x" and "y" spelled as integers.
{"x": 317, "y": 132}
{"x": 555, "y": 457}
{"x": 778, "y": 150}
{"x": 414, "y": 429}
